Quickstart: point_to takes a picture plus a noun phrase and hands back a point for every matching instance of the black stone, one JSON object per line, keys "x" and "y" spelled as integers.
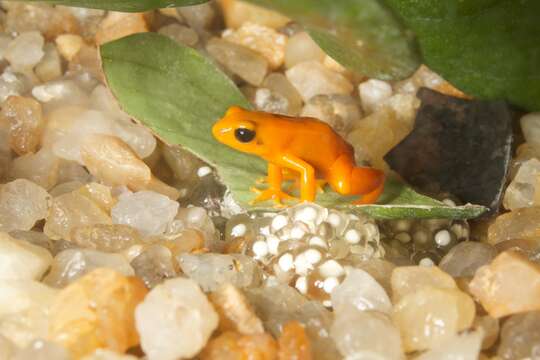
{"x": 462, "y": 147}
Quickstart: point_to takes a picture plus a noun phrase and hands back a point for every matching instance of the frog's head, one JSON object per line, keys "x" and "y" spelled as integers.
{"x": 238, "y": 129}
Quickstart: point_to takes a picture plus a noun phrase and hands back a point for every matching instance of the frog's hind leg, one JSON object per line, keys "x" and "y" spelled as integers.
{"x": 347, "y": 179}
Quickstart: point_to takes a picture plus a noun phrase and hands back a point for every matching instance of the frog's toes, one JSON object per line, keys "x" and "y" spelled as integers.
{"x": 271, "y": 194}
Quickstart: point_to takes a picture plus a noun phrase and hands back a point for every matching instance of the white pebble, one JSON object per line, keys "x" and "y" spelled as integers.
{"x": 260, "y": 249}
{"x": 239, "y": 230}
{"x": 279, "y": 222}
{"x": 297, "y": 233}
{"x": 301, "y": 284}
{"x": 25, "y": 51}
{"x": 334, "y": 220}
{"x": 147, "y": 211}
{"x": 312, "y": 256}
{"x": 273, "y": 244}
{"x": 301, "y": 265}
{"x": 427, "y": 262}
{"x": 286, "y": 262}
{"x": 331, "y": 268}
{"x": 317, "y": 241}
{"x": 327, "y": 303}
{"x": 203, "y": 171}
{"x": 352, "y": 236}
{"x": 330, "y": 284}
{"x": 443, "y": 238}
{"x": 374, "y": 93}
{"x": 175, "y": 320}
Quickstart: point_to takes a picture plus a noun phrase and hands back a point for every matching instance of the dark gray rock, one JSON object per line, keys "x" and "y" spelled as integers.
{"x": 458, "y": 146}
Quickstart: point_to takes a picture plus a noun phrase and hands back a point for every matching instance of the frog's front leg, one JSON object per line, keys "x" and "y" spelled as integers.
{"x": 274, "y": 192}
{"x": 308, "y": 183}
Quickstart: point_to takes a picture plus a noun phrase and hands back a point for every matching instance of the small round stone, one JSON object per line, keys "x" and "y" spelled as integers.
{"x": 449, "y": 202}
{"x": 301, "y": 284}
{"x": 312, "y": 256}
{"x": 279, "y": 222}
{"x": 330, "y": 284}
{"x": 286, "y": 262}
{"x": 427, "y": 262}
{"x": 352, "y": 236}
{"x": 239, "y": 230}
{"x": 443, "y": 238}
{"x": 331, "y": 268}
{"x": 260, "y": 248}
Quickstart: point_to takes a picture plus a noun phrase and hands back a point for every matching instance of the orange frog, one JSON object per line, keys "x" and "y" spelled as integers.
{"x": 304, "y": 145}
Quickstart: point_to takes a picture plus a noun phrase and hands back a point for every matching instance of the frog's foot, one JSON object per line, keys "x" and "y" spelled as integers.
{"x": 271, "y": 194}
{"x": 319, "y": 185}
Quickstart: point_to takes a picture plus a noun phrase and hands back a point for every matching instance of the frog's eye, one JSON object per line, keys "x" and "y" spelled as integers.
{"x": 244, "y": 135}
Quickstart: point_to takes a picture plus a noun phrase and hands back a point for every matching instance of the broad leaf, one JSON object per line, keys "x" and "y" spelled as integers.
{"x": 362, "y": 35}
{"x": 179, "y": 94}
{"x": 122, "y": 5}
{"x": 487, "y": 48}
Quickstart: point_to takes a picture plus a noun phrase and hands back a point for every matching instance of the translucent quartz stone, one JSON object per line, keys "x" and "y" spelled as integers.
{"x": 97, "y": 311}
{"x": 25, "y": 51}
{"x": 366, "y": 335}
{"x": 430, "y": 316}
{"x": 175, "y": 320}
{"x": 520, "y": 336}
{"x": 311, "y": 78}
{"x": 409, "y": 279}
{"x": 232, "y": 345}
{"x": 242, "y": 61}
{"x": 301, "y": 48}
{"x": 279, "y": 84}
{"x": 361, "y": 292}
{"x": 277, "y": 305}
{"x": 26, "y": 123}
{"x": 20, "y": 295}
{"x": 520, "y": 224}
{"x": 373, "y": 93}
{"x": 338, "y": 111}
{"x": 104, "y": 237}
{"x": 42, "y": 168}
{"x": 261, "y": 39}
{"x": 235, "y": 311}
{"x": 181, "y": 34}
{"x": 530, "y": 126}
{"x": 22, "y": 204}
{"x": 213, "y": 270}
{"x": 70, "y": 265}
{"x": 50, "y": 66}
{"x": 42, "y": 350}
{"x": 148, "y": 212}
{"x": 111, "y": 160}
{"x": 72, "y": 210}
{"x": 523, "y": 189}
{"x": 20, "y": 260}
{"x": 509, "y": 284}
{"x": 153, "y": 265}
{"x": 466, "y": 257}
{"x": 464, "y": 346}
{"x": 237, "y": 13}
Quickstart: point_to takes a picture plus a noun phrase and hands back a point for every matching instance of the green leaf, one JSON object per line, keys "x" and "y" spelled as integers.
{"x": 361, "y": 35}
{"x": 122, "y": 5}
{"x": 179, "y": 94}
{"x": 487, "y": 48}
